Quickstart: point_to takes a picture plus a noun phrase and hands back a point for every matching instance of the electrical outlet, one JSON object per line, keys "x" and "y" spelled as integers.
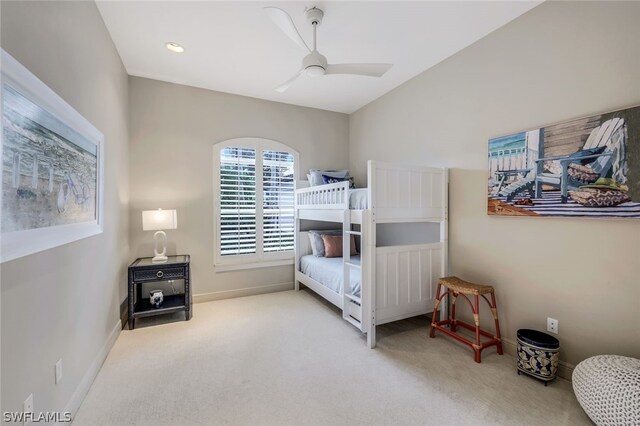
{"x": 27, "y": 407}
{"x": 58, "y": 371}
{"x": 552, "y": 325}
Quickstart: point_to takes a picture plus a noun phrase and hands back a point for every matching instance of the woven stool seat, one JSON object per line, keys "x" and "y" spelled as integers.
{"x": 465, "y": 287}
{"x": 456, "y": 289}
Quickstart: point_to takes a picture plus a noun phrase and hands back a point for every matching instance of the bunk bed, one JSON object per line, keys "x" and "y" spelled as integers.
{"x": 386, "y": 282}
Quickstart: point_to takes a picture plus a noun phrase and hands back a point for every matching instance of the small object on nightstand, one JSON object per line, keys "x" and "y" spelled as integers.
{"x": 145, "y": 270}
{"x": 155, "y": 298}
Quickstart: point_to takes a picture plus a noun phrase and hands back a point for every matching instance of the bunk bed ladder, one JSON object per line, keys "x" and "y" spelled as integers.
{"x": 350, "y": 301}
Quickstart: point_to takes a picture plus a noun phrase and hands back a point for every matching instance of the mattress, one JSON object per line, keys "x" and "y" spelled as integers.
{"x": 328, "y": 271}
{"x": 358, "y": 199}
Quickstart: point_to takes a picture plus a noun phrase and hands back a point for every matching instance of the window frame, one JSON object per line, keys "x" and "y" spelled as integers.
{"x": 260, "y": 259}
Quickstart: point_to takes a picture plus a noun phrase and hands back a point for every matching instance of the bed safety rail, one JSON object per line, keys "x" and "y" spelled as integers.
{"x": 330, "y": 196}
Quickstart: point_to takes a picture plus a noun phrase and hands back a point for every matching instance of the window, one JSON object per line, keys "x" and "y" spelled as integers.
{"x": 254, "y": 198}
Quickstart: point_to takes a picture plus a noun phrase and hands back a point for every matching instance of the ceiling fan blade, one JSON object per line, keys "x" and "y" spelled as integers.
{"x": 285, "y": 23}
{"x": 284, "y": 86}
{"x": 371, "y": 70}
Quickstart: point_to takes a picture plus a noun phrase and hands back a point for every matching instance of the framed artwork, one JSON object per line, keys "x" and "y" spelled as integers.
{"x": 52, "y": 167}
{"x": 588, "y": 167}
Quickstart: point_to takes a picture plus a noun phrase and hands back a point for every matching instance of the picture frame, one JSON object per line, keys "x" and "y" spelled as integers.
{"x": 581, "y": 168}
{"x": 52, "y": 168}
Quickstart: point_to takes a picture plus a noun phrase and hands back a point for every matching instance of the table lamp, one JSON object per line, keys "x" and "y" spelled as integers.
{"x": 159, "y": 220}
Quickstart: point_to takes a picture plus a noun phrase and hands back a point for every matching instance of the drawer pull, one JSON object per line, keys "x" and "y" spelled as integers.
{"x": 159, "y": 274}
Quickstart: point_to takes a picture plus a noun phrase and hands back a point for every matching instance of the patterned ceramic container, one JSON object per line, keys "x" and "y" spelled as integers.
{"x": 156, "y": 298}
{"x": 538, "y": 354}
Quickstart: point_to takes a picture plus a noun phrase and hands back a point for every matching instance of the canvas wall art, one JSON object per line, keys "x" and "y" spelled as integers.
{"x": 51, "y": 167}
{"x": 588, "y": 167}
{"x": 49, "y": 171}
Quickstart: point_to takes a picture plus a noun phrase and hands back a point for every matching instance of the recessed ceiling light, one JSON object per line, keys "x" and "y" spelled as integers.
{"x": 174, "y": 47}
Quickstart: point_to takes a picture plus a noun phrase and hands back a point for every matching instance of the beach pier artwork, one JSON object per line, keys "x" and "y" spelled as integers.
{"x": 588, "y": 167}
{"x": 49, "y": 171}
{"x": 52, "y": 167}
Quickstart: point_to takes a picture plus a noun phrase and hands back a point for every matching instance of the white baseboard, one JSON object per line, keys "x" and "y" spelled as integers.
{"x": 250, "y": 291}
{"x": 565, "y": 370}
{"x": 87, "y": 380}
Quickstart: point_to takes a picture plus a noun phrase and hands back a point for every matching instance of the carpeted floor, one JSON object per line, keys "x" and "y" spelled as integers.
{"x": 289, "y": 359}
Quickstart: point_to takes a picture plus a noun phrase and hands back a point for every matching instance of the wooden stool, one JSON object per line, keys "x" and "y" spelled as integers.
{"x": 457, "y": 287}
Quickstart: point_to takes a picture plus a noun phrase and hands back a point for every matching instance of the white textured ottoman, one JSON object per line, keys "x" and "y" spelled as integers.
{"x": 608, "y": 389}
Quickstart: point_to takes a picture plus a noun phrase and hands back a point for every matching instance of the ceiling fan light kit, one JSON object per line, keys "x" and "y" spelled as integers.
{"x": 315, "y": 64}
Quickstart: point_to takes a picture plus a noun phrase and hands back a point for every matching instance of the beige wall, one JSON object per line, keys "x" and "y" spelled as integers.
{"x": 63, "y": 303}
{"x": 173, "y": 129}
{"x": 560, "y": 61}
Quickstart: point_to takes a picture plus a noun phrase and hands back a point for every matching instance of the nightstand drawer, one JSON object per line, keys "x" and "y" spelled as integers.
{"x": 158, "y": 274}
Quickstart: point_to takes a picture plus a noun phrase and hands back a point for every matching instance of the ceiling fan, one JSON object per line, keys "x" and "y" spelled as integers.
{"x": 315, "y": 64}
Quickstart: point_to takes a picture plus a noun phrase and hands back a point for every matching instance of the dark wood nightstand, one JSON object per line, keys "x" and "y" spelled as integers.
{"x": 143, "y": 270}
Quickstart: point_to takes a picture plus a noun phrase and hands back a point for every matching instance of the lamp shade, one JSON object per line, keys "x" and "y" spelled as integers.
{"x": 159, "y": 220}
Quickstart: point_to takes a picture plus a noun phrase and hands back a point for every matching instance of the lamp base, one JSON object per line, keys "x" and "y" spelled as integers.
{"x": 160, "y": 242}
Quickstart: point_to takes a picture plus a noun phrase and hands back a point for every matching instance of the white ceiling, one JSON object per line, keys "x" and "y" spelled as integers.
{"x": 234, "y": 47}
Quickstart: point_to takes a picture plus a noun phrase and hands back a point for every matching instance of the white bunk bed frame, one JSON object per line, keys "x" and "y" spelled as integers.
{"x": 398, "y": 281}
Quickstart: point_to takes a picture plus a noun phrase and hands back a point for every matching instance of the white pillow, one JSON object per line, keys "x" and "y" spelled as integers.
{"x": 315, "y": 175}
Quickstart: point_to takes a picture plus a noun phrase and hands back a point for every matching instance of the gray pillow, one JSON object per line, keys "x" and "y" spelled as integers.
{"x": 315, "y": 239}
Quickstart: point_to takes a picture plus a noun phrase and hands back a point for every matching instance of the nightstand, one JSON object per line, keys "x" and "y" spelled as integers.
{"x": 142, "y": 271}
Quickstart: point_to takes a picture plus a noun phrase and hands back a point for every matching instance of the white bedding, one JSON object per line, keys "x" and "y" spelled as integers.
{"x": 358, "y": 199}
{"x": 328, "y": 272}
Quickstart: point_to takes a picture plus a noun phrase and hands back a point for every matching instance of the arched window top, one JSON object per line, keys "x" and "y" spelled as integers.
{"x": 254, "y": 182}
{"x": 257, "y": 143}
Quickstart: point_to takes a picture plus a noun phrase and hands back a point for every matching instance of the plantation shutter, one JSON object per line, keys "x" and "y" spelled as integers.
{"x": 277, "y": 203}
{"x": 237, "y": 201}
